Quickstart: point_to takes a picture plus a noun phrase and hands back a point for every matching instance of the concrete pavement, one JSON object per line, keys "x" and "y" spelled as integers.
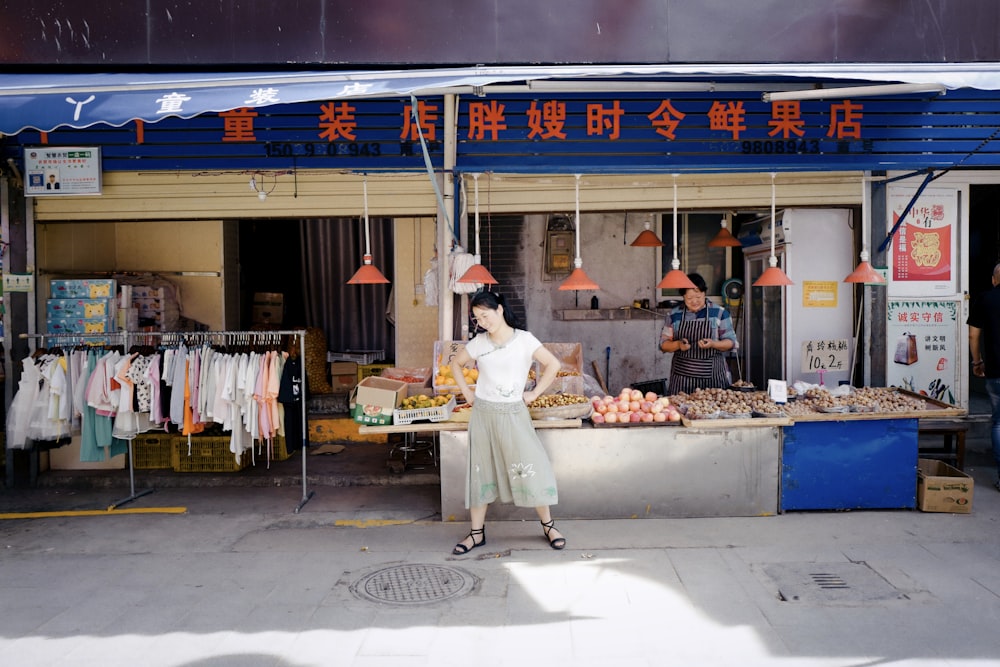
{"x": 363, "y": 575}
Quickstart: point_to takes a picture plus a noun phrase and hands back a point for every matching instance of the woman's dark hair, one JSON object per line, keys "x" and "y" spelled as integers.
{"x": 484, "y": 298}
{"x": 698, "y": 281}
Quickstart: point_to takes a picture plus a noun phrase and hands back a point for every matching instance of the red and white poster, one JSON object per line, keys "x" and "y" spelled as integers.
{"x": 924, "y": 245}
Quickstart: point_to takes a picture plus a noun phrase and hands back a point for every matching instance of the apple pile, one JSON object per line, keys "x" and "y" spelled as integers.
{"x": 632, "y": 406}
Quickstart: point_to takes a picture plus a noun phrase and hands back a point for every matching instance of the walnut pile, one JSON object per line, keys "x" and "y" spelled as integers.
{"x": 557, "y": 400}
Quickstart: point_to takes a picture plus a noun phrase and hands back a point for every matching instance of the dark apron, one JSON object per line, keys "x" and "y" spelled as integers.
{"x": 696, "y": 368}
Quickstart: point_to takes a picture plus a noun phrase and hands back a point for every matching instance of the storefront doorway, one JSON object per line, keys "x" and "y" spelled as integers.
{"x": 984, "y": 253}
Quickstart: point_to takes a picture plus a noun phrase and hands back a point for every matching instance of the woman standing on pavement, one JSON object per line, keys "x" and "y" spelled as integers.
{"x": 699, "y": 333}
{"x": 506, "y": 458}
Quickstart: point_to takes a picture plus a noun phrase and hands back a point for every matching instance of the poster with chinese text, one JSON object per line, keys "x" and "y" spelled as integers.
{"x": 923, "y": 250}
{"x": 923, "y": 347}
{"x": 63, "y": 170}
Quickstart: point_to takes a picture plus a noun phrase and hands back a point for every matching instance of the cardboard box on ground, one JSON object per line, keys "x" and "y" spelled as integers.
{"x": 942, "y": 488}
{"x": 374, "y": 399}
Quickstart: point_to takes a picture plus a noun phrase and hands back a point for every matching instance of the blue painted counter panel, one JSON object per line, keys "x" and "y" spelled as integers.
{"x": 864, "y": 464}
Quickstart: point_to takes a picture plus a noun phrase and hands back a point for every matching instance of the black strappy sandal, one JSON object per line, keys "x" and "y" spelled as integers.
{"x": 462, "y": 549}
{"x": 557, "y": 543}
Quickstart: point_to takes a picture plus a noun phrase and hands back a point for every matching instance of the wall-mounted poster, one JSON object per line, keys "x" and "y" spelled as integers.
{"x": 923, "y": 347}
{"x": 923, "y": 250}
{"x": 51, "y": 171}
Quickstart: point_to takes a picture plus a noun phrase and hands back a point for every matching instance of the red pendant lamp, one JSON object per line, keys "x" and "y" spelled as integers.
{"x": 647, "y": 238}
{"x": 367, "y": 274}
{"x": 477, "y": 273}
{"x": 865, "y": 272}
{"x": 578, "y": 280}
{"x": 675, "y": 278}
{"x": 725, "y": 238}
{"x": 773, "y": 276}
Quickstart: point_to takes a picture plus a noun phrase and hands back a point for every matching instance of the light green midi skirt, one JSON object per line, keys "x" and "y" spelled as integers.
{"x": 506, "y": 458}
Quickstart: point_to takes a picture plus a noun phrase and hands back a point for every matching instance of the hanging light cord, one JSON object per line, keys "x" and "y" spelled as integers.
{"x": 578, "y": 262}
{"x": 367, "y": 237}
{"x": 676, "y": 263}
{"x": 773, "y": 261}
{"x": 475, "y": 178}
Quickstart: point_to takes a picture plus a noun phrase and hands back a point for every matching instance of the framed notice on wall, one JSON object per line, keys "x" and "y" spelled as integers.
{"x": 51, "y": 171}
{"x": 923, "y": 250}
{"x": 923, "y": 347}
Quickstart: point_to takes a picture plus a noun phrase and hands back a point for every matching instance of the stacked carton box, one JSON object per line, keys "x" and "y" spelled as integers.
{"x": 84, "y": 306}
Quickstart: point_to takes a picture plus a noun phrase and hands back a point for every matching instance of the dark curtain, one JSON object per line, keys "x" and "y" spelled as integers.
{"x": 354, "y": 317}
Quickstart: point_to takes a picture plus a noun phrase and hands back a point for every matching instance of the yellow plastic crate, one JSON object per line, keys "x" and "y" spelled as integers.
{"x": 367, "y": 370}
{"x": 208, "y": 454}
{"x": 152, "y": 451}
{"x": 279, "y": 449}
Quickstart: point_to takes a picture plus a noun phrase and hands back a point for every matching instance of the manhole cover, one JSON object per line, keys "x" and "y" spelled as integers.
{"x": 414, "y": 584}
{"x": 843, "y": 583}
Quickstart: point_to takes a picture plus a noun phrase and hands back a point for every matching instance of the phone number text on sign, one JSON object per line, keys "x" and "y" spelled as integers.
{"x": 825, "y": 355}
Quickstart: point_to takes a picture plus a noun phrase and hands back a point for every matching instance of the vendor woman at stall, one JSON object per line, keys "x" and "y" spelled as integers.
{"x": 698, "y": 333}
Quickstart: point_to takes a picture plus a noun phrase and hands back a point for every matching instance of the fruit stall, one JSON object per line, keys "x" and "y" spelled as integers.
{"x": 709, "y": 453}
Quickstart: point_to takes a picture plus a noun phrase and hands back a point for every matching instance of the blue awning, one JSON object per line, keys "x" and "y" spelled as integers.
{"x": 46, "y": 102}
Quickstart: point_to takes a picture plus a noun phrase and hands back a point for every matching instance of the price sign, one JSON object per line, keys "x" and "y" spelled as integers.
{"x": 826, "y": 355}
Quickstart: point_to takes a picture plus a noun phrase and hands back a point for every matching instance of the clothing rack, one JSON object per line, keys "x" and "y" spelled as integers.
{"x": 193, "y": 338}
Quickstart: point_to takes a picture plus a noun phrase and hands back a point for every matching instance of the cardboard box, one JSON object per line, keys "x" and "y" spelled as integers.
{"x": 374, "y": 399}
{"x": 148, "y": 292}
{"x": 267, "y": 314}
{"x": 942, "y": 488}
{"x": 78, "y": 308}
{"x": 79, "y": 325}
{"x": 83, "y": 289}
{"x": 343, "y": 376}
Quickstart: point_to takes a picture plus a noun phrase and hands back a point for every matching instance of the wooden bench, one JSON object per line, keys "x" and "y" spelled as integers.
{"x": 952, "y": 432}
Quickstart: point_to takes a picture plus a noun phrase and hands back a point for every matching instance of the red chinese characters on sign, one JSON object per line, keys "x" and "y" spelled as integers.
{"x": 729, "y": 117}
{"x": 238, "y": 124}
{"x": 666, "y": 119}
{"x": 601, "y": 120}
{"x": 786, "y": 119}
{"x": 486, "y": 117}
{"x": 919, "y": 317}
{"x": 845, "y": 120}
{"x": 337, "y": 121}
{"x": 547, "y": 122}
{"x": 427, "y": 115}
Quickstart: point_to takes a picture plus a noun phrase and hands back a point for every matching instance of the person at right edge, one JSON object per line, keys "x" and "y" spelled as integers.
{"x": 984, "y": 344}
{"x": 699, "y": 333}
{"x": 506, "y": 459}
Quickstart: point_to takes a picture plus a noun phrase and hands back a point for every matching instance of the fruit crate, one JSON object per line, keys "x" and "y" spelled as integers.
{"x": 152, "y": 452}
{"x": 367, "y": 370}
{"x": 208, "y": 454}
{"x": 360, "y": 357}
{"x": 436, "y": 414}
{"x": 279, "y": 449}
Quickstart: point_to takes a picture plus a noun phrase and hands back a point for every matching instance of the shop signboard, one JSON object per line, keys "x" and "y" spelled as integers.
{"x": 924, "y": 247}
{"x": 923, "y": 344}
{"x": 634, "y": 132}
